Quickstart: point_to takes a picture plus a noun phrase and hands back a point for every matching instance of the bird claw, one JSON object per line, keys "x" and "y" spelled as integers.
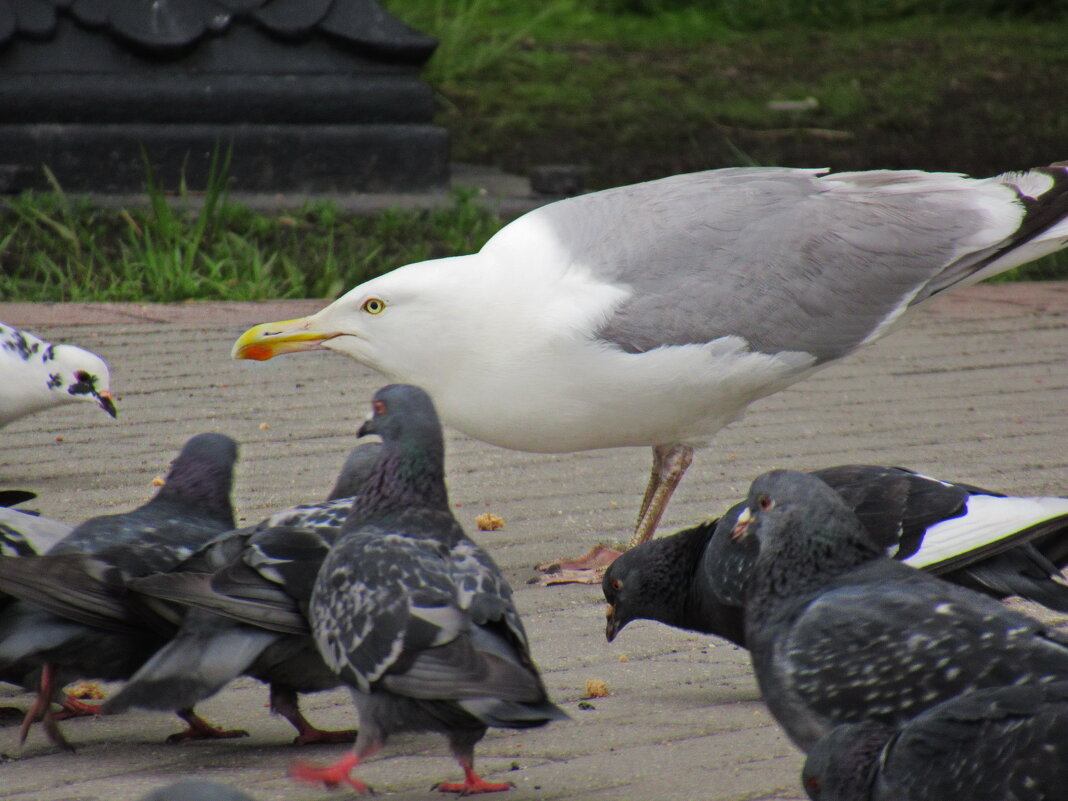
{"x": 472, "y": 787}
{"x": 208, "y": 733}
{"x": 586, "y": 569}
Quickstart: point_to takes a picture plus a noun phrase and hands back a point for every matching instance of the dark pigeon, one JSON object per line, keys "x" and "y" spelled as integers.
{"x": 414, "y": 616}
{"x": 196, "y": 790}
{"x": 996, "y": 544}
{"x": 838, "y": 632}
{"x": 269, "y": 562}
{"x": 993, "y": 744}
{"x": 74, "y": 618}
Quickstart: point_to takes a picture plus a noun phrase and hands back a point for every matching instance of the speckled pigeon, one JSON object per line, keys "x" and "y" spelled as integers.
{"x": 997, "y": 544}
{"x": 839, "y": 632}
{"x": 414, "y": 616}
{"x": 995, "y": 744}
{"x": 75, "y": 618}
{"x": 37, "y": 376}
{"x": 264, "y": 567}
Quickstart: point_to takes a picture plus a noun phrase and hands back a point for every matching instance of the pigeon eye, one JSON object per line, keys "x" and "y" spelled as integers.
{"x": 765, "y": 502}
{"x": 374, "y": 306}
{"x": 378, "y": 407}
{"x": 616, "y": 584}
{"x": 813, "y": 784}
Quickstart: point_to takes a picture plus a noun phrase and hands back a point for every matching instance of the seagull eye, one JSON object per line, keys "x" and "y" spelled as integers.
{"x": 765, "y": 502}
{"x": 83, "y": 376}
{"x": 374, "y": 306}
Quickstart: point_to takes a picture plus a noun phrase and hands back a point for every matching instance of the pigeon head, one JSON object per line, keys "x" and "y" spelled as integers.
{"x": 410, "y": 472}
{"x": 785, "y": 509}
{"x": 842, "y": 765}
{"x": 651, "y": 581}
{"x": 80, "y": 374}
{"x": 202, "y": 475}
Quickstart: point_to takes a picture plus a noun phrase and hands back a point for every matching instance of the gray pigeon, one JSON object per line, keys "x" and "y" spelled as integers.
{"x": 74, "y": 617}
{"x": 26, "y": 533}
{"x": 414, "y": 616}
{"x": 37, "y": 376}
{"x": 211, "y": 649}
{"x": 196, "y": 790}
{"x": 996, "y": 544}
{"x": 993, "y": 744}
{"x": 839, "y": 632}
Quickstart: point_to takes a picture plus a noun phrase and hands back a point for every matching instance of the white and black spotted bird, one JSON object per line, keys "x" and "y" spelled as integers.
{"x": 994, "y": 744}
{"x": 838, "y": 632}
{"x": 75, "y": 617}
{"x": 1000, "y": 545}
{"x": 414, "y": 616}
{"x": 36, "y": 375}
{"x": 655, "y": 314}
{"x": 241, "y": 588}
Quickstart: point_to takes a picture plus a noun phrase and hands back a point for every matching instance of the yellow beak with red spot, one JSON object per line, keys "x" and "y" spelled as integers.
{"x": 267, "y": 340}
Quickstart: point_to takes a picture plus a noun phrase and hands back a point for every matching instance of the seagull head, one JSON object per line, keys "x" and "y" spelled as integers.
{"x": 405, "y": 324}
{"x": 81, "y": 375}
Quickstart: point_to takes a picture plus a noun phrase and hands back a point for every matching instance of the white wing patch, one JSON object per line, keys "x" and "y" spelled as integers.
{"x": 989, "y": 519}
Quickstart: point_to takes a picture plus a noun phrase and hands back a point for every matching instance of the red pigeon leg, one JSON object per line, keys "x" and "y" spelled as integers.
{"x": 74, "y": 708}
{"x": 200, "y": 729}
{"x": 42, "y": 710}
{"x": 284, "y": 702}
{"x": 330, "y": 775}
{"x": 473, "y": 784}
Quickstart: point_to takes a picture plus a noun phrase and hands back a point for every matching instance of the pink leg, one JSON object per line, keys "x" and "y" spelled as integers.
{"x": 330, "y": 775}
{"x": 473, "y": 784}
{"x": 200, "y": 729}
{"x": 42, "y": 710}
{"x": 669, "y": 465}
{"x": 74, "y": 708}
{"x": 284, "y": 702}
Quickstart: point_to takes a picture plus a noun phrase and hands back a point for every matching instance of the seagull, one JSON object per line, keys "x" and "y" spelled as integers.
{"x": 654, "y": 314}
{"x": 414, "y": 616}
{"x": 838, "y": 632}
{"x": 997, "y": 544}
{"x": 988, "y": 745}
{"x": 37, "y": 376}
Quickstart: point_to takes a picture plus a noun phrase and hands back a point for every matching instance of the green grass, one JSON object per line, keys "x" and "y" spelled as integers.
{"x": 633, "y": 90}
{"x": 57, "y": 248}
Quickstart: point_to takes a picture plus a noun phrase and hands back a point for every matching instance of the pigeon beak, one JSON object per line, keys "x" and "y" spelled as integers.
{"x": 265, "y": 341}
{"x": 106, "y": 402}
{"x": 741, "y": 527}
{"x": 613, "y": 625}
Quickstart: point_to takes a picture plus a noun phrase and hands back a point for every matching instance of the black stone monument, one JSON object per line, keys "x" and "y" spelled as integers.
{"x": 312, "y": 95}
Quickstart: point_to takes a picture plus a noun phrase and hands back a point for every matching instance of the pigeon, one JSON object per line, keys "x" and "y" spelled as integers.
{"x": 74, "y": 617}
{"x": 26, "y": 533}
{"x": 414, "y": 616}
{"x": 997, "y": 544}
{"x": 196, "y": 790}
{"x": 38, "y": 376}
{"x": 655, "y": 314}
{"x": 839, "y": 632}
{"x": 992, "y": 744}
{"x": 211, "y": 649}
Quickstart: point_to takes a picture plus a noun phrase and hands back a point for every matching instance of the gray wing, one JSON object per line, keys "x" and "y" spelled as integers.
{"x": 899, "y": 641}
{"x": 378, "y": 595}
{"x": 784, "y": 258}
{"x": 1004, "y": 742}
